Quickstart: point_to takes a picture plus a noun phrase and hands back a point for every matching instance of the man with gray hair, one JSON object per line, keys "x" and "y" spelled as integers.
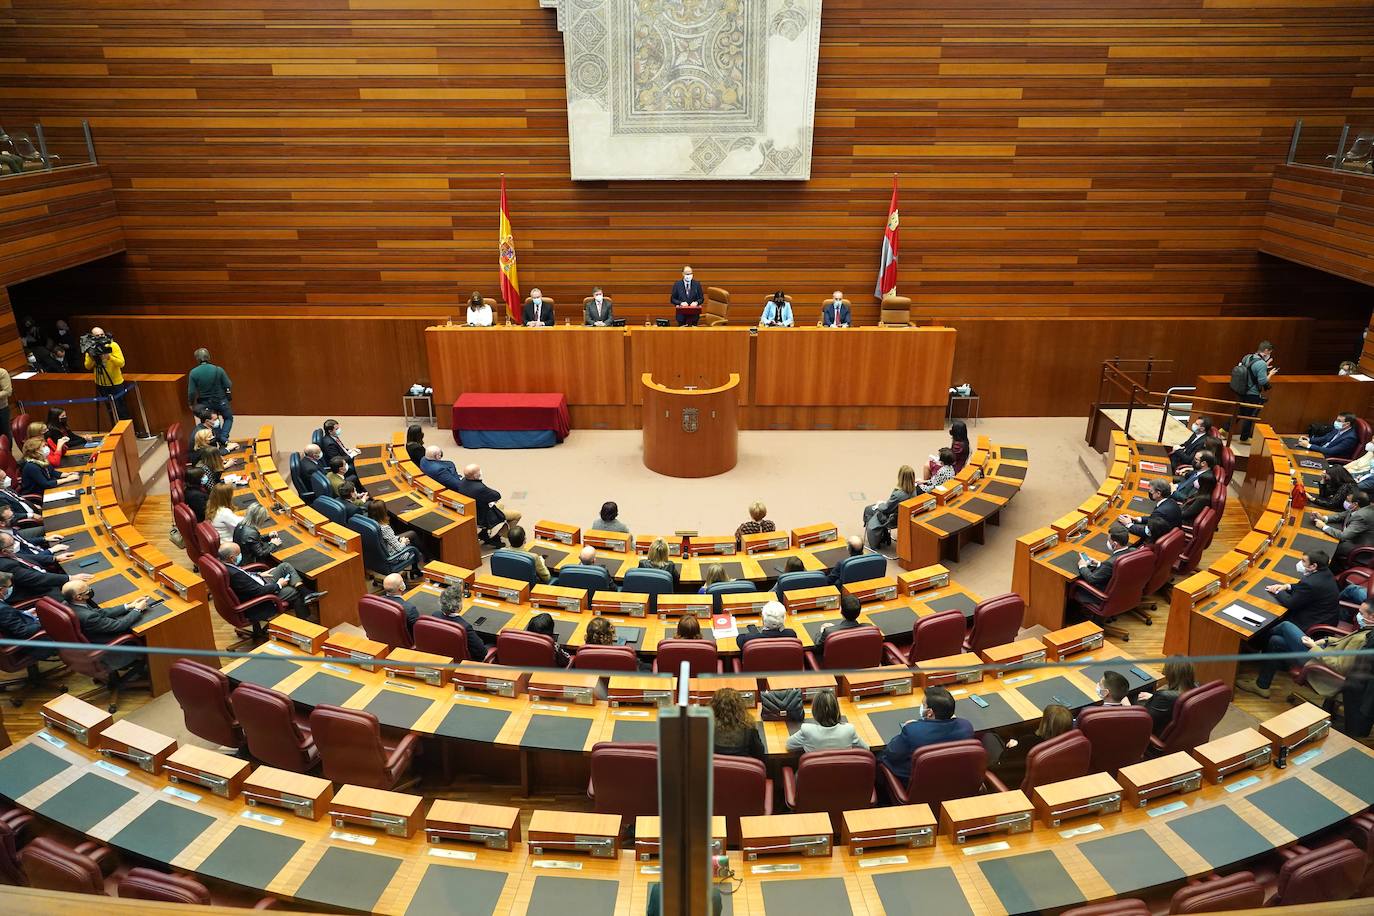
{"x": 208, "y": 386}
{"x": 394, "y": 589}
{"x": 311, "y": 462}
{"x": 774, "y": 616}
{"x": 492, "y": 518}
{"x": 451, "y": 608}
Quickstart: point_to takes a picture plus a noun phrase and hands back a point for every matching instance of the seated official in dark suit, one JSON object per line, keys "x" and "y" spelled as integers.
{"x": 1202, "y": 498}
{"x": 104, "y": 625}
{"x": 333, "y": 446}
{"x": 1163, "y": 518}
{"x": 835, "y": 314}
{"x": 600, "y": 310}
{"x": 1197, "y": 435}
{"x": 1311, "y": 601}
{"x": 14, "y": 623}
{"x": 492, "y": 518}
{"x": 23, "y": 509}
{"x": 394, "y": 589}
{"x": 312, "y": 462}
{"x": 537, "y": 313}
{"x": 1339, "y": 442}
{"x": 849, "y": 620}
{"x": 31, "y": 579}
{"x": 30, "y": 544}
{"x": 935, "y": 725}
{"x": 451, "y": 606}
{"x": 856, "y": 549}
{"x": 354, "y": 502}
{"x": 281, "y": 580}
{"x": 687, "y": 299}
{"x": 1354, "y": 526}
{"x": 1099, "y": 573}
{"x": 774, "y": 616}
{"x": 1204, "y": 465}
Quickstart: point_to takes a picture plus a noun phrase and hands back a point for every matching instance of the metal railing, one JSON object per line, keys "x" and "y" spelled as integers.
{"x": 1347, "y": 148}
{"x": 1120, "y": 384}
{"x": 36, "y": 147}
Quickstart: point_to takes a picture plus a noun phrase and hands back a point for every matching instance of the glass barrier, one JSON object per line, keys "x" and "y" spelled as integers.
{"x": 40, "y": 147}
{"x": 1348, "y": 147}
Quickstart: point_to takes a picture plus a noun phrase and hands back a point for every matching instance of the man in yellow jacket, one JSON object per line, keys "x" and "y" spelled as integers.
{"x": 106, "y": 361}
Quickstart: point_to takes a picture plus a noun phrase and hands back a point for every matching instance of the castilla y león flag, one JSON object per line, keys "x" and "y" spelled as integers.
{"x": 510, "y": 282}
{"x": 887, "y": 261}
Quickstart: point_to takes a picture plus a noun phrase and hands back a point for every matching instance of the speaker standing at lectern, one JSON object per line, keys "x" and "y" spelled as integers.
{"x": 686, "y": 299}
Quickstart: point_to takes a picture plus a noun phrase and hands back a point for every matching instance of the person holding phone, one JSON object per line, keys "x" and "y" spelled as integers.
{"x": 935, "y": 723}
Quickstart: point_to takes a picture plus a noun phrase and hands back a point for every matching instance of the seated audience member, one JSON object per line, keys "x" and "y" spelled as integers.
{"x": 1197, "y": 435}
{"x": 49, "y": 359}
{"x": 479, "y": 313}
{"x": 1337, "y": 480}
{"x": 59, "y": 427}
{"x": 256, "y": 547}
{"x": 451, "y": 607}
{"x": 1339, "y": 442}
{"x": 795, "y": 564}
{"x": 1098, "y": 573}
{"x": 14, "y": 623}
{"x": 774, "y": 616}
{"x": 586, "y": 559}
{"x": 935, "y": 724}
{"x": 1178, "y": 680}
{"x": 105, "y": 625}
{"x": 32, "y": 544}
{"x": 688, "y": 627}
{"x": 1163, "y": 518}
{"x": 537, "y": 313}
{"x": 958, "y": 444}
{"x": 206, "y": 455}
{"x": 1314, "y": 599}
{"x": 1054, "y": 721}
{"x": 1318, "y": 691}
{"x": 777, "y": 312}
{"x": 397, "y": 546}
{"x": 735, "y": 734}
{"x": 440, "y": 471}
{"x": 1287, "y": 636}
{"x": 312, "y": 462}
{"x": 856, "y": 549}
{"x": 516, "y": 536}
{"x": 36, "y": 475}
{"x": 757, "y": 524}
{"x": 944, "y": 471}
{"x": 824, "y": 731}
{"x": 23, "y": 509}
{"x": 609, "y": 520}
{"x": 197, "y": 492}
{"x": 1361, "y": 470}
{"x": 492, "y": 518}
{"x": 835, "y": 313}
{"x": 849, "y": 620}
{"x": 333, "y": 446}
{"x": 1347, "y": 367}
{"x": 38, "y": 430}
{"x": 1354, "y": 527}
{"x": 880, "y": 518}
{"x": 600, "y": 311}
{"x": 1201, "y": 499}
{"x": 415, "y": 443}
{"x": 219, "y": 511}
{"x": 354, "y": 501}
{"x": 30, "y": 578}
{"x": 1204, "y": 465}
{"x": 600, "y": 632}
{"x": 281, "y": 580}
{"x": 658, "y": 558}
{"x": 394, "y": 589}
{"x": 337, "y": 475}
{"x": 543, "y": 624}
{"x": 714, "y": 573}
{"x": 1113, "y": 689}
{"x": 209, "y": 418}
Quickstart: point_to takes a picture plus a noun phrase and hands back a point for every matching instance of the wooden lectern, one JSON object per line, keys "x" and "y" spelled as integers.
{"x": 690, "y": 432}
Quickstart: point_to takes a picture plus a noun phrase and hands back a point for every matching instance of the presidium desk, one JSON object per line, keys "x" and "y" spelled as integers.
{"x": 789, "y": 378}
{"x": 690, "y": 432}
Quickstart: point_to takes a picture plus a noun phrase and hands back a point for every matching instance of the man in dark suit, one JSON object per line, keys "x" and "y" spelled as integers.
{"x": 440, "y": 471}
{"x": 774, "y": 616}
{"x": 31, "y": 580}
{"x": 451, "y": 608}
{"x": 23, "y": 509}
{"x": 394, "y": 589}
{"x": 332, "y": 446}
{"x": 312, "y": 462}
{"x": 1204, "y": 465}
{"x": 1340, "y": 442}
{"x": 937, "y": 724}
{"x": 1313, "y": 600}
{"x": 856, "y": 549}
{"x": 836, "y": 312}
{"x": 491, "y": 518}
{"x": 537, "y": 313}
{"x": 849, "y": 620}
{"x": 105, "y": 625}
{"x": 14, "y": 623}
{"x": 1099, "y": 573}
{"x": 600, "y": 310}
{"x": 1165, "y": 517}
{"x": 281, "y": 580}
{"x": 1184, "y": 454}
{"x": 31, "y": 545}
{"x": 687, "y": 299}
{"x": 1354, "y": 527}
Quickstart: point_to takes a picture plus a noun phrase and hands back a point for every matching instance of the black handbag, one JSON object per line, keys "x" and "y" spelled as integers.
{"x": 783, "y": 704}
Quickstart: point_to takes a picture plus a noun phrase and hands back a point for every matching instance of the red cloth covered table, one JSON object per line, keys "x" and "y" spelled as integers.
{"x": 513, "y": 411}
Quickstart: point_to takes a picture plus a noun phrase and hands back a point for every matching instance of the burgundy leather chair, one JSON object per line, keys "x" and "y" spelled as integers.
{"x": 1330, "y": 872}
{"x": 51, "y": 865}
{"x": 524, "y": 650}
{"x": 845, "y": 650}
{"x": 699, "y": 654}
{"x": 1126, "y": 906}
{"x": 1196, "y": 713}
{"x": 147, "y": 884}
{"x": 61, "y": 625}
{"x": 1167, "y": 551}
{"x": 1199, "y": 537}
{"x": 742, "y": 789}
{"x": 7, "y": 462}
{"x": 1219, "y": 895}
{"x": 384, "y": 621}
{"x": 351, "y": 746}
{"x": 441, "y": 636}
{"x": 780, "y": 653}
{"x": 937, "y": 636}
{"x": 246, "y": 617}
{"x": 940, "y": 772}
{"x": 19, "y": 428}
{"x": 176, "y": 492}
{"x": 272, "y": 730}
{"x": 996, "y": 621}
{"x": 624, "y": 780}
{"x": 185, "y": 521}
{"x": 1063, "y": 757}
{"x": 18, "y": 658}
{"x": 832, "y": 781}
{"x": 1122, "y": 594}
{"x": 203, "y": 693}
{"x": 1119, "y": 736}
{"x": 13, "y": 834}
{"x": 207, "y": 539}
{"x": 605, "y": 658}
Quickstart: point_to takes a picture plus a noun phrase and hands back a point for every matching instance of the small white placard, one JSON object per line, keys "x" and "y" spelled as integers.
{"x": 1166, "y": 809}
{"x": 276, "y": 649}
{"x": 182, "y": 794}
{"x": 1018, "y": 679}
{"x": 1080, "y": 831}
{"x": 632, "y": 713}
{"x": 462, "y": 854}
{"x": 339, "y": 668}
{"x": 52, "y": 496}
{"x": 262, "y": 818}
{"x": 986, "y": 847}
{"x": 1242, "y": 784}
{"x": 558, "y": 863}
{"x": 882, "y": 860}
{"x": 650, "y": 869}
{"x": 958, "y": 693}
{"x": 486, "y": 602}
{"x": 353, "y": 838}
{"x": 111, "y": 768}
{"x": 51, "y": 739}
{"x": 546, "y": 707}
{"x": 23, "y": 375}
{"x": 773, "y": 869}
{"x": 470, "y": 697}
{"x": 1243, "y": 615}
{"x": 1307, "y": 756}
{"x": 876, "y": 704}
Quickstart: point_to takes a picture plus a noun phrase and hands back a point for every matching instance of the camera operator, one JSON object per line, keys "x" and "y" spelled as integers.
{"x": 106, "y": 361}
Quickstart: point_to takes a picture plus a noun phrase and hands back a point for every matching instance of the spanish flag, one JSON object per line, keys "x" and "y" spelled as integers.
{"x": 510, "y": 283}
{"x": 887, "y": 259}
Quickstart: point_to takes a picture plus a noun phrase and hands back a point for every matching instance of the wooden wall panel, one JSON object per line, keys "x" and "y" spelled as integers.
{"x": 877, "y": 367}
{"x": 704, "y": 358}
{"x": 1323, "y": 219}
{"x": 1051, "y": 366}
{"x": 1077, "y": 157}
{"x": 53, "y": 220}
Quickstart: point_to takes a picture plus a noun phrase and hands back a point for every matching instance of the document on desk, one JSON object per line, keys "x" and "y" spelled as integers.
{"x": 1243, "y": 615}
{"x": 52, "y": 496}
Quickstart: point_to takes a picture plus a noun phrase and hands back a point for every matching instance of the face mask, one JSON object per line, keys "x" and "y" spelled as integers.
{"x": 598, "y": 298}
{"x": 838, "y": 302}
{"x": 5, "y": 482}
{"x": 1360, "y": 620}
{"x": 1101, "y": 692}
{"x": 1341, "y": 424}
{"x": 10, "y": 591}
{"x": 1344, "y": 372}
{"x": 1350, "y": 507}
{"x": 1302, "y": 570}
{"x": 687, "y": 278}
{"x": 46, "y": 451}
{"x": 538, "y": 300}
{"x": 337, "y": 431}
{"x": 217, "y": 424}
{"x": 1198, "y": 427}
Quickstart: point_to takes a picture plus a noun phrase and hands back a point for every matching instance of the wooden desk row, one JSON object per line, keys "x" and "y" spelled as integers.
{"x": 91, "y": 521}
{"x": 1214, "y": 612}
{"x": 932, "y": 527}
{"x": 163, "y": 396}
{"x": 1233, "y": 807}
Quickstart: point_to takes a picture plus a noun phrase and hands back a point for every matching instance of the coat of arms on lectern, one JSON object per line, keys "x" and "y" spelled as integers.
{"x": 689, "y": 419}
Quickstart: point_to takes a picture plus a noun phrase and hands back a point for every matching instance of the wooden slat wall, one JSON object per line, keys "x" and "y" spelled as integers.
{"x": 1077, "y": 157}
{"x": 1323, "y": 219}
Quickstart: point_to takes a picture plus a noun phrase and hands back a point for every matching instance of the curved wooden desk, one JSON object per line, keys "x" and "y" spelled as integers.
{"x": 690, "y": 432}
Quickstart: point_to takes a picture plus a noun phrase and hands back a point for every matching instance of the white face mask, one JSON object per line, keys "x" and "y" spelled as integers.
{"x": 1302, "y": 570}
{"x": 686, "y": 278}
{"x": 838, "y": 302}
{"x": 1340, "y": 424}
{"x": 1198, "y": 427}
{"x": 598, "y": 298}
{"x": 538, "y": 300}
{"x": 1362, "y": 622}
{"x": 46, "y": 451}
{"x": 216, "y": 424}
{"x": 1343, "y": 372}
{"x": 5, "y": 481}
